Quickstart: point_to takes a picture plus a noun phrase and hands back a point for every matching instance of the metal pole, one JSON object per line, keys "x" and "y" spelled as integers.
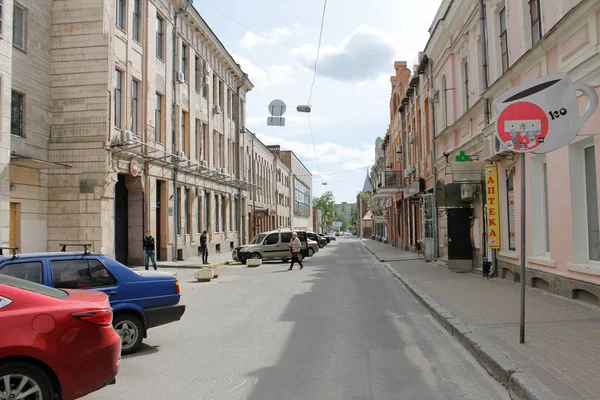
{"x": 523, "y": 251}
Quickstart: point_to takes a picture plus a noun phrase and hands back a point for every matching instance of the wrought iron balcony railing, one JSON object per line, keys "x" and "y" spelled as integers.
{"x": 393, "y": 179}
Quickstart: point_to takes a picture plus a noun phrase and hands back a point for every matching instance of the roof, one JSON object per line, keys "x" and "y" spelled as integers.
{"x": 368, "y": 216}
{"x": 367, "y": 185}
{"x": 26, "y": 256}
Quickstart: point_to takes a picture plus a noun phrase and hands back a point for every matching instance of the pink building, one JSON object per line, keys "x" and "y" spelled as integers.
{"x": 473, "y": 60}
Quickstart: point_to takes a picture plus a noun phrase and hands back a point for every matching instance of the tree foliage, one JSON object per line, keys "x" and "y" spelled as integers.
{"x": 326, "y": 203}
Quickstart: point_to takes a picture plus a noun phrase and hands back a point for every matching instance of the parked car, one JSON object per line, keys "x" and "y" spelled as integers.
{"x": 55, "y": 344}
{"x": 140, "y": 300}
{"x": 313, "y": 247}
{"x": 327, "y": 238}
{"x": 331, "y": 236}
{"x": 273, "y": 245}
{"x": 313, "y": 236}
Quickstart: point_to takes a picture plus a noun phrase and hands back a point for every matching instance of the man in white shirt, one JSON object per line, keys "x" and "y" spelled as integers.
{"x": 295, "y": 247}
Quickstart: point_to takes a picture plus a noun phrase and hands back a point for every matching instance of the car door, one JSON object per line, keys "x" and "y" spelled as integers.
{"x": 85, "y": 273}
{"x": 271, "y": 246}
{"x": 286, "y": 238}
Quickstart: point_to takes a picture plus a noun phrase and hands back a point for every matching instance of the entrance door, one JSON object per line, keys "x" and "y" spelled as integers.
{"x": 121, "y": 221}
{"x": 158, "y": 215}
{"x": 15, "y": 225}
{"x": 428, "y": 233}
{"x": 459, "y": 234}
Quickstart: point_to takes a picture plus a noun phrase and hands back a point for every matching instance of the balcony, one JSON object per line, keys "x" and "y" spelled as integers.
{"x": 390, "y": 184}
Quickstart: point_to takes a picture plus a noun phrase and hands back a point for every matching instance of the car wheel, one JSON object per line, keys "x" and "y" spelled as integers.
{"x": 321, "y": 245}
{"x": 311, "y": 252}
{"x": 131, "y": 330}
{"x": 255, "y": 256}
{"x": 19, "y": 380}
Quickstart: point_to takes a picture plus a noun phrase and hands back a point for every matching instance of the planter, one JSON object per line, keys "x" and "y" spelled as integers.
{"x": 253, "y": 262}
{"x": 203, "y": 275}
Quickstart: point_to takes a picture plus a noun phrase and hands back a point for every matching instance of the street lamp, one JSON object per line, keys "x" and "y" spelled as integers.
{"x": 303, "y": 108}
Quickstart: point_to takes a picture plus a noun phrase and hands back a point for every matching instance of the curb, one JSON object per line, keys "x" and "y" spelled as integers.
{"x": 521, "y": 385}
{"x": 188, "y": 266}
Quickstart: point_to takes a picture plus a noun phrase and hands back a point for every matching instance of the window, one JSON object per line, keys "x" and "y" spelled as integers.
{"x": 1, "y": 16}
{"x": 199, "y": 214}
{"x": 204, "y": 85}
{"x": 30, "y": 271}
{"x": 160, "y": 45}
{"x": 188, "y": 211}
{"x": 100, "y": 275}
{"x": 286, "y": 237}
{"x": 199, "y": 140}
{"x": 121, "y": 13}
{"x": 136, "y": 20}
{"x": 206, "y": 210}
{"x": 302, "y": 198}
{"x": 272, "y": 239}
{"x": 117, "y": 96}
{"x": 536, "y": 21}
{"x": 229, "y": 102}
{"x": 16, "y": 114}
{"x": 466, "y": 72}
{"x": 185, "y": 134}
{"x": 134, "y": 106}
{"x": 230, "y": 215}
{"x": 19, "y": 27}
{"x": 221, "y": 94}
{"x": 223, "y": 213}
{"x": 591, "y": 199}
{"x": 158, "y": 115}
{"x": 215, "y": 89}
{"x": 235, "y": 214}
{"x": 503, "y": 40}
{"x": 197, "y": 74}
{"x": 184, "y": 62}
{"x": 216, "y": 207}
{"x": 510, "y": 204}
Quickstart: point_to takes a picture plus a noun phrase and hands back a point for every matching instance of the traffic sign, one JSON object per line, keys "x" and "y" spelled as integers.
{"x": 542, "y": 115}
{"x": 276, "y": 109}
{"x": 134, "y": 168}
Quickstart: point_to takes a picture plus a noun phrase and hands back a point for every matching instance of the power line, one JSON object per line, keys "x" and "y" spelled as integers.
{"x": 291, "y": 45}
{"x": 318, "y": 52}
{"x": 329, "y": 104}
{"x": 313, "y": 142}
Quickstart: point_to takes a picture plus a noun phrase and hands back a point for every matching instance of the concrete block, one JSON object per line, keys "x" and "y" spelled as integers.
{"x": 254, "y": 262}
{"x": 203, "y": 275}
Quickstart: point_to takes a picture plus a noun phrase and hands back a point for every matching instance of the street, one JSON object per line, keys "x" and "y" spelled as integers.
{"x": 343, "y": 328}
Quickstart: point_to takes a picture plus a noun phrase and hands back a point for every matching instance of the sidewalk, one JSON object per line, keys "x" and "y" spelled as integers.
{"x": 562, "y": 336}
{"x": 215, "y": 260}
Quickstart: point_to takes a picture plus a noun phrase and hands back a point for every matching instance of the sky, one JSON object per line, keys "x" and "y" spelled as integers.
{"x": 275, "y": 42}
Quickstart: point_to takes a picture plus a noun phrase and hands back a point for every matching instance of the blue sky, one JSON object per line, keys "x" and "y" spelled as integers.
{"x": 275, "y": 42}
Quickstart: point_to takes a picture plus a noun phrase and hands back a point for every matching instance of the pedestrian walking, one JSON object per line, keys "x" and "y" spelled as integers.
{"x": 295, "y": 248}
{"x": 149, "y": 248}
{"x": 204, "y": 247}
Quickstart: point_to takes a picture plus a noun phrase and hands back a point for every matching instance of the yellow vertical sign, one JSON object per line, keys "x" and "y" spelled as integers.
{"x": 493, "y": 208}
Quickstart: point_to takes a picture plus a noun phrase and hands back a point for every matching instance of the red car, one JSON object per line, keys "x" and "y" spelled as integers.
{"x": 54, "y": 344}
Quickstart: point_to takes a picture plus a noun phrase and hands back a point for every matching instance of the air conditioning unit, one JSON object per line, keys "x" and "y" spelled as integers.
{"x": 203, "y": 164}
{"x": 388, "y": 164}
{"x": 217, "y": 109}
{"x": 434, "y": 94}
{"x": 493, "y": 149}
{"x": 412, "y": 137}
{"x": 180, "y": 77}
{"x": 469, "y": 192}
{"x": 127, "y": 137}
{"x": 181, "y": 155}
{"x": 205, "y": 80}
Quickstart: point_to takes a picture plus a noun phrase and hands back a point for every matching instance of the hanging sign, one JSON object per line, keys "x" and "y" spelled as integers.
{"x": 493, "y": 208}
{"x": 134, "y": 168}
{"x": 542, "y": 115}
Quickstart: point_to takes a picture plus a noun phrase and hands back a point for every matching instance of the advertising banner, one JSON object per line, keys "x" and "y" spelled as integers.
{"x": 493, "y": 214}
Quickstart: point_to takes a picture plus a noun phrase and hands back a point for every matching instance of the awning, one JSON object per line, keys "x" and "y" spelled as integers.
{"x": 34, "y": 163}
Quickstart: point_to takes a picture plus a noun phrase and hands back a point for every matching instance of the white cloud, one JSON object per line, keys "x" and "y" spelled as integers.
{"x": 274, "y": 75}
{"x": 252, "y": 40}
{"x": 365, "y": 54}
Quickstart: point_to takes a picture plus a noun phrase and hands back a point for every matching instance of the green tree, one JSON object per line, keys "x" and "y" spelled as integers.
{"x": 326, "y": 203}
{"x": 341, "y": 217}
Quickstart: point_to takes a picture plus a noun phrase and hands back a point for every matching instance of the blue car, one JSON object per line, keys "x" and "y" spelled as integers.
{"x": 140, "y": 299}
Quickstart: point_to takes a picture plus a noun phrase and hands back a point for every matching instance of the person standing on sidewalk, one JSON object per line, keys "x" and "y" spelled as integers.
{"x": 204, "y": 247}
{"x": 295, "y": 248}
{"x": 149, "y": 248}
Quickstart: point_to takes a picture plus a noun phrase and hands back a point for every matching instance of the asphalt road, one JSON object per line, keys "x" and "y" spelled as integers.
{"x": 342, "y": 328}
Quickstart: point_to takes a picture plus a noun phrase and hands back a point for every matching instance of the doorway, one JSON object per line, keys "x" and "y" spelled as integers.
{"x": 15, "y": 225}
{"x": 159, "y": 222}
{"x": 460, "y": 249}
{"x": 121, "y": 220}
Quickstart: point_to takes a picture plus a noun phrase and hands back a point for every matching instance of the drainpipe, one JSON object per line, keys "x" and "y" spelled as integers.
{"x": 238, "y": 171}
{"x": 174, "y": 126}
{"x": 436, "y": 238}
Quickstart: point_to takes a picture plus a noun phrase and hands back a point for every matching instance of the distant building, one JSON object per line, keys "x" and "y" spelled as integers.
{"x": 346, "y": 209}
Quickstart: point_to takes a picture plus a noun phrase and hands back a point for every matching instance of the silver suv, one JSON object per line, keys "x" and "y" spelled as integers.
{"x": 273, "y": 245}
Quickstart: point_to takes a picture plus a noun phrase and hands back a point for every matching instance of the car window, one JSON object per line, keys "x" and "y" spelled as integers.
{"x": 100, "y": 275}
{"x": 273, "y": 238}
{"x": 71, "y": 274}
{"x": 258, "y": 239}
{"x": 302, "y": 236}
{"x": 30, "y": 271}
{"x": 33, "y": 287}
{"x": 286, "y": 237}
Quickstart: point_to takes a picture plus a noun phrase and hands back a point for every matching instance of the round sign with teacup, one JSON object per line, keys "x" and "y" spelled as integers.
{"x": 542, "y": 115}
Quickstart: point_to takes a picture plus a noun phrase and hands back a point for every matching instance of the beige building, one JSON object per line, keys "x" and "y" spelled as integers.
{"x": 301, "y": 192}
{"x": 5, "y": 118}
{"x": 110, "y": 136}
